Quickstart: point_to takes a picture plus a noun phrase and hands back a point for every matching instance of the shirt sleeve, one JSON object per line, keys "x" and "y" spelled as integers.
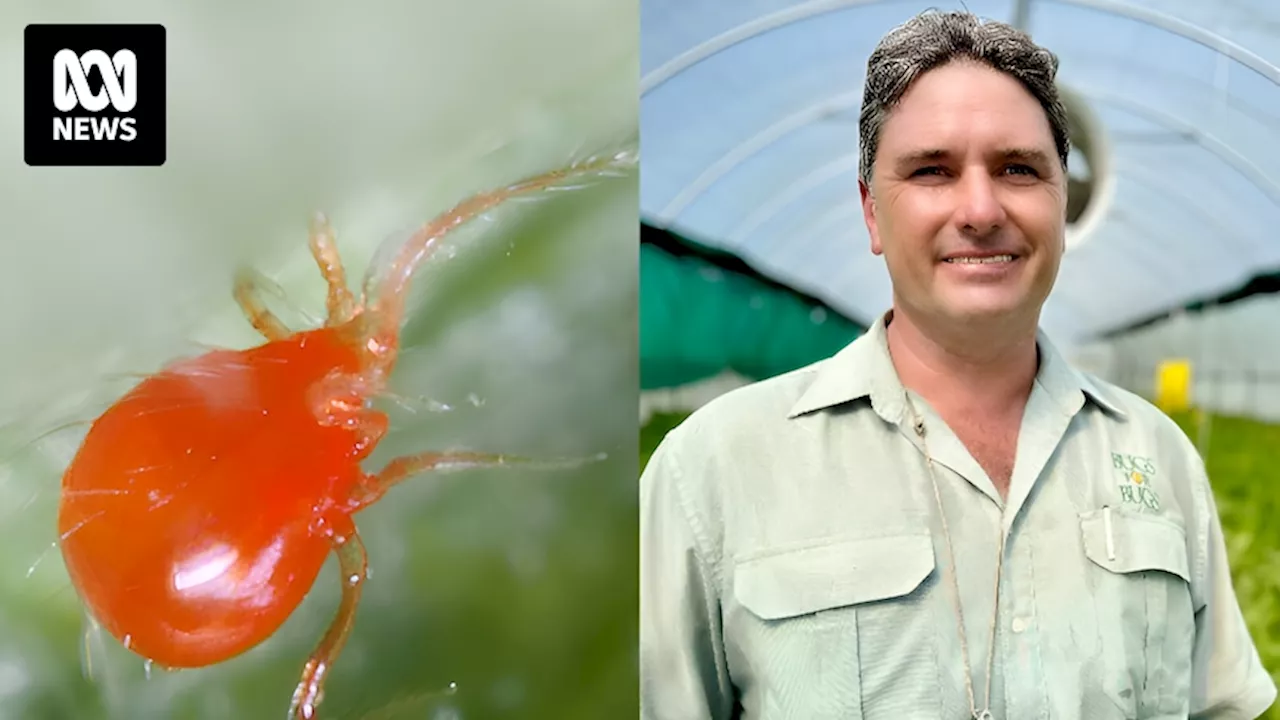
{"x": 683, "y": 675}
{"x": 1229, "y": 680}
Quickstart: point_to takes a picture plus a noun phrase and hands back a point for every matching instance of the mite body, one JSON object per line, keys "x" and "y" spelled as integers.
{"x": 201, "y": 506}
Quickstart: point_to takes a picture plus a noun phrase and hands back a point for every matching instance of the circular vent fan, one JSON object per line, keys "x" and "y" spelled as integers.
{"x": 1088, "y": 184}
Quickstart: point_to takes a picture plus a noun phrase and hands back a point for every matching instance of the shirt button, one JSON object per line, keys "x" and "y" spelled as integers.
{"x": 1019, "y": 624}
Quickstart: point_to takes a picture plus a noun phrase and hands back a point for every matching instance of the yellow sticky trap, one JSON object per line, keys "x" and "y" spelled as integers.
{"x": 1173, "y": 385}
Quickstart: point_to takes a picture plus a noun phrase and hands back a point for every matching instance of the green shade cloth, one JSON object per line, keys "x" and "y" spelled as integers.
{"x": 703, "y": 313}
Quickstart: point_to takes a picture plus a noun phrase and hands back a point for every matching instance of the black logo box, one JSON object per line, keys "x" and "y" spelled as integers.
{"x": 41, "y": 43}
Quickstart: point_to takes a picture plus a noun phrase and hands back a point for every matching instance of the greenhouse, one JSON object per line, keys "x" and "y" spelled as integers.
{"x": 749, "y": 117}
{"x": 755, "y": 258}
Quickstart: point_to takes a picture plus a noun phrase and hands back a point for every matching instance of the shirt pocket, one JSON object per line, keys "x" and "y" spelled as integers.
{"x": 1145, "y": 611}
{"x": 839, "y": 630}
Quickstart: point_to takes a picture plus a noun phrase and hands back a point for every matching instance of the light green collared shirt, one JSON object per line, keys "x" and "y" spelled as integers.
{"x": 793, "y": 564}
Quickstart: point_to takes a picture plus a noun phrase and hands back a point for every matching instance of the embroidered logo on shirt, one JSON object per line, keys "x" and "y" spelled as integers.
{"x": 1136, "y": 487}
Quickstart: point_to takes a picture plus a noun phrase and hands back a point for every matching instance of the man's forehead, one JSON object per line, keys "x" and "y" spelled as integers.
{"x": 909, "y": 134}
{"x": 967, "y": 102}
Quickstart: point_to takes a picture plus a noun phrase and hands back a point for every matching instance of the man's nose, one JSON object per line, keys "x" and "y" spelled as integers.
{"x": 979, "y": 210}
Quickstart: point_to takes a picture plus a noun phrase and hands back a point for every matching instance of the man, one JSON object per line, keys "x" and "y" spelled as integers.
{"x": 944, "y": 520}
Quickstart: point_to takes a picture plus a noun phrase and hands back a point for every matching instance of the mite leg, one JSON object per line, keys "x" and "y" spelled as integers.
{"x": 340, "y": 302}
{"x": 339, "y": 400}
{"x": 249, "y": 288}
{"x": 373, "y": 487}
{"x": 353, "y": 566}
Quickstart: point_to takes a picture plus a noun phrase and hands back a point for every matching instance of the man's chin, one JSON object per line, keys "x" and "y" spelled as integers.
{"x": 986, "y": 308}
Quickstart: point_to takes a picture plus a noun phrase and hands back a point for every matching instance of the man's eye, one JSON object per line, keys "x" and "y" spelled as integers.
{"x": 1023, "y": 170}
{"x": 931, "y": 170}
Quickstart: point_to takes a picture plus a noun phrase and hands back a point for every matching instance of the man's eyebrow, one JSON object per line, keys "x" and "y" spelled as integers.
{"x": 925, "y": 155}
{"x": 928, "y": 155}
{"x": 1031, "y": 155}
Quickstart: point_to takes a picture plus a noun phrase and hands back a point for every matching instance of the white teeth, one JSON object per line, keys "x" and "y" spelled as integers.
{"x": 975, "y": 261}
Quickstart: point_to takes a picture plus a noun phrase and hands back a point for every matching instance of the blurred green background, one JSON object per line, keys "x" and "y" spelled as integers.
{"x": 520, "y": 587}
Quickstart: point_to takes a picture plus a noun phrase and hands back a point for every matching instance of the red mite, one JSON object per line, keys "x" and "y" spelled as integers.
{"x": 199, "y": 509}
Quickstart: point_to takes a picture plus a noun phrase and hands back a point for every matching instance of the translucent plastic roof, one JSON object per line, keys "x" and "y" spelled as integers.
{"x": 749, "y": 122}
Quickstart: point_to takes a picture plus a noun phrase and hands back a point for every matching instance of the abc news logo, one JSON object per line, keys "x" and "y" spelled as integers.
{"x": 106, "y": 102}
{"x": 71, "y": 90}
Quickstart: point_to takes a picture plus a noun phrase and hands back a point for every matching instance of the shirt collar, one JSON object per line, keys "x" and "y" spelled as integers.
{"x": 864, "y": 368}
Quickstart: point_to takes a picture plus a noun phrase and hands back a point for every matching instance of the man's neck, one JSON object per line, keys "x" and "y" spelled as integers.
{"x": 986, "y": 372}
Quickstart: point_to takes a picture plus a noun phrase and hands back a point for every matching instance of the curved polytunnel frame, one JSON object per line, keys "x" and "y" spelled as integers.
{"x": 1179, "y": 122}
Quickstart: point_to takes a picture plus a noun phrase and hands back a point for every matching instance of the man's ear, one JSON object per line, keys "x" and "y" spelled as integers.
{"x": 869, "y": 215}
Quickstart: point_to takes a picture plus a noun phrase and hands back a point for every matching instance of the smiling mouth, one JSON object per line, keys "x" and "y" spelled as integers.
{"x": 980, "y": 260}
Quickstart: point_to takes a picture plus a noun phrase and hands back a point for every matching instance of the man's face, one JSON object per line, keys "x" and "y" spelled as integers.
{"x": 968, "y": 198}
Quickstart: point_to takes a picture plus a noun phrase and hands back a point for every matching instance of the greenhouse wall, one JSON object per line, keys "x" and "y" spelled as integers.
{"x": 1234, "y": 352}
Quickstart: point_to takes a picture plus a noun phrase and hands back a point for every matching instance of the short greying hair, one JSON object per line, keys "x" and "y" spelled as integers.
{"x": 932, "y": 39}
